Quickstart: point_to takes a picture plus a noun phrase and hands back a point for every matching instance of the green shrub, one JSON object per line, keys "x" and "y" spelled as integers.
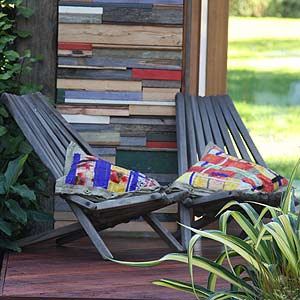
{"x": 284, "y": 8}
{"x": 22, "y": 176}
{"x": 262, "y": 8}
{"x": 249, "y": 8}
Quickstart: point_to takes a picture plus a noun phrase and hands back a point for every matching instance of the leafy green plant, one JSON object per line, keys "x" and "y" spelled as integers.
{"x": 22, "y": 176}
{"x": 14, "y": 65}
{"x": 270, "y": 254}
{"x": 18, "y": 204}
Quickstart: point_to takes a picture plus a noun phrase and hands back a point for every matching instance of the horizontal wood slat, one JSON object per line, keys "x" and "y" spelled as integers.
{"x": 120, "y": 35}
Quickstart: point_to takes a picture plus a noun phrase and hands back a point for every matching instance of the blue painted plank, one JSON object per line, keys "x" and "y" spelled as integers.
{"x": 133, "y": 141}
{"x": 161, "y": 64}
{"x": 106, "y": 4}
{"x": 105, "y": 95}
{"x": 170, "y": 2}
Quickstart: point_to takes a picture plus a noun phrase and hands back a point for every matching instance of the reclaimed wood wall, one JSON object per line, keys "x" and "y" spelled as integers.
{"x": 119, "y": 68}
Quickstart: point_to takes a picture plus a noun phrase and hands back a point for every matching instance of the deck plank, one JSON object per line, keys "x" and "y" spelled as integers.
{"x": 76, "y": 271}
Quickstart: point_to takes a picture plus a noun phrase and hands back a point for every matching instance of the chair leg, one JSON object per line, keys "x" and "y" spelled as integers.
{"x": 153, "y": 221}
{"x": 91, "y": 231}
{"x": 186, "y": 219}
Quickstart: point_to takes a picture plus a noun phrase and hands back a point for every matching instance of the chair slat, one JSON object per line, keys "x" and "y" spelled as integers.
{"x": 244, "y": 132}
{"x": 21, "y": 120}
{"x": 67, "y": 127}
{"x": 181, "y": 134}
{"x": 48, "y": 132}
{"x": 55, "y": 126}
{"x": 223, "y": 127}
{"x": 192, "y": 149}
{"x": 205, "y": 121}
{"x": 233, "y": 129}
{"x": 199, "y": 131}
{"x": 213, "y": 122}
{"x": 44, "y": 139}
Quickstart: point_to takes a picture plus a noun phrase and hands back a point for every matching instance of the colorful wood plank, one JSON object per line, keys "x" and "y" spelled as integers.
{"x": 133, "y": 15}
{"x": 86, "y": 119}
{"x": 120, "y": 35}
{"x": 156, "y": 74}
{"x": 162, "y": 136}
{"x": 101, "y": 138}
{"x": 137, "y": 47}
{"x": 161, "y": 84}
{"x": 168, "y": 2}
{"x": 75, "y": 53}
{"x": 153, "y": 110}
{"x": 93, "y": 110}
{"x": 166, "y": 121}
{"x": 80, "y": 10}
{"x": 80, "y": 18}
{"x": 99, "y": 85}
{"x": 162, "y": 64}
{"x": 174, "y": 56}
{"x": 148, "y": 161}
{"x": 164, "y": 145}
{"x": 106, "y": 95}
{"x": 159, "y": 94}
{"x": 92, "y": 72}
{"x": 122, "y": 102}
{"x": 133, "y": 141}
{"x": 74, "y": 46}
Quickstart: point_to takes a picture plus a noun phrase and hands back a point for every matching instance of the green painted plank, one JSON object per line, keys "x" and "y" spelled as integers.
{"x": 148, "y": 161}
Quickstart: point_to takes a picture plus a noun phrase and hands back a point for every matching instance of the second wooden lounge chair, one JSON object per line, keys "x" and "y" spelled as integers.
{"x": 49, "y": 134}
{"x": 201, "y": 120}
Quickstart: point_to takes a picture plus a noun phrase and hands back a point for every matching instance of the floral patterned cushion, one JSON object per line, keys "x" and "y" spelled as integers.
{"x": 89, "y": 175}
{"x": 218, "y": 171}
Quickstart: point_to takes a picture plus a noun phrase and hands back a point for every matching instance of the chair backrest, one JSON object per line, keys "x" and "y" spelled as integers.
{"x": 201, "y": 120}
{"x": 45, "y": 129}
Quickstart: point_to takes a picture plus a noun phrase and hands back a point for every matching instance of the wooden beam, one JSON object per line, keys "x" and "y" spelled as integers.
{"x": 195, "y": 46}
{"x": 217, "y": 43}
{"x": 43, "y": 41}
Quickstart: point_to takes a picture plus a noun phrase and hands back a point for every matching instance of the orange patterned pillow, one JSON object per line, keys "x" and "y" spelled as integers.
{"x": 218, "y": 171}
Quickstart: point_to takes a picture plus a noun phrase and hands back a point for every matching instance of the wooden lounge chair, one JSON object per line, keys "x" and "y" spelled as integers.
{"x": 201, "y": 120}
{"x": 49, "y": 134}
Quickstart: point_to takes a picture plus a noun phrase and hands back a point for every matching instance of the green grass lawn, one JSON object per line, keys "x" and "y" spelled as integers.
{"x": 264, "y": 81}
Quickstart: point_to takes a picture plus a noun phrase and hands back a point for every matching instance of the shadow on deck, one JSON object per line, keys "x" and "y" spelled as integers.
{"x": 76, "y": 271}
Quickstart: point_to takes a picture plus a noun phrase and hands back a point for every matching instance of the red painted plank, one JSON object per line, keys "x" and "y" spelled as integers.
{"x": 156, "y": 74}
{"x": 169, "y": 145}
{"x": 74, "y": 46}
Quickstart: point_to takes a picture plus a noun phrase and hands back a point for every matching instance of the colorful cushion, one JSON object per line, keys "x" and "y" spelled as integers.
{"x": 89, "y": 175}
{"x": 218, "y": 171}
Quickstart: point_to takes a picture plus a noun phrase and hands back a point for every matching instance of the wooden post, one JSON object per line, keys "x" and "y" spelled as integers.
{"x": 216, "y": 50}
{"x": 217, "y": 43}
{"x": 43, "y": 41}
{"x": 191, "y": 36}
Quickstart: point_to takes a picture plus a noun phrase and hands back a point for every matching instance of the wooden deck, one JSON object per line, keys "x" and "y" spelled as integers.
{"x": 76, "y": 272}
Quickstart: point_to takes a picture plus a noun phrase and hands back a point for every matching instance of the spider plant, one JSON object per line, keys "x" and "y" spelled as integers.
{"x": 269, "y": 256}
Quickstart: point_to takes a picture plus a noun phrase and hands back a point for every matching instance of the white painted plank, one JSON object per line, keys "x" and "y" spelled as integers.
{"x": 87, "y": 119}
{"x": 80, "y": 10}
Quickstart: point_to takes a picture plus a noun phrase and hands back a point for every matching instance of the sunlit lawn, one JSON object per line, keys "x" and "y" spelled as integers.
{"x": 264, "y": 81}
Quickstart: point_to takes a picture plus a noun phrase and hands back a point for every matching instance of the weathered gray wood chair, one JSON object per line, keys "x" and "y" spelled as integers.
{"x": 49, "y": 134}
{"x": 201, "y": 120}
